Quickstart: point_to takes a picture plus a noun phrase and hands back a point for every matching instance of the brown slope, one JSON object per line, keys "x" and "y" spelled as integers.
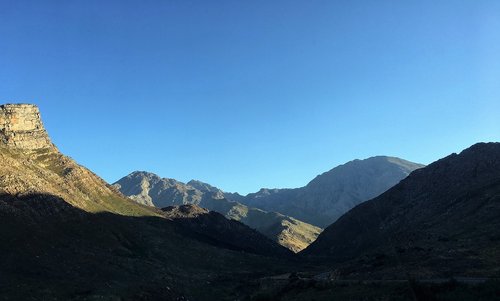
{"x": 30, "y": 163}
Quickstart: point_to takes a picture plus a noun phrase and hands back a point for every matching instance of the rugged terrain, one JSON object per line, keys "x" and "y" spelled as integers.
{"x": 335, "y": 192}
{"x": 213, "y": 228}
{"x": 30, "y": 163}
{"x": 441, "y": 221}
{"x": 65, "y": 234}
{"x": 150, "y": 189}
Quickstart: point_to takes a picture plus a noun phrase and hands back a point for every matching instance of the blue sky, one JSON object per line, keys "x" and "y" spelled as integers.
{"x": 250, "y": 94}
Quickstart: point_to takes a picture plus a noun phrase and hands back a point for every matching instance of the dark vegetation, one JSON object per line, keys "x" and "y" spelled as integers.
{"x": 53, "y": 251}
{"x": 410, "y": 290}
{"x": 441, "y": 221}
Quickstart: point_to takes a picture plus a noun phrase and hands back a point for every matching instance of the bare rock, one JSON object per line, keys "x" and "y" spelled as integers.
{"x": 21, "y": 127}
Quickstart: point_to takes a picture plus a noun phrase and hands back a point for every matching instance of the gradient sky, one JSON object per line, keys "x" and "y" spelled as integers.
{"x": 250, "y": 94}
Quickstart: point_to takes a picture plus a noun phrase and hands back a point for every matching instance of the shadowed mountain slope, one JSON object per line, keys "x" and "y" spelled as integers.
{"x": 54, "y": 251}
{"x": 213, "y": 228}
{"x": 441, "y": 220}
{"x": 148, "y": 188}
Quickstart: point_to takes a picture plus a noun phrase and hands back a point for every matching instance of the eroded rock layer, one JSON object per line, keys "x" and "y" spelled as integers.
{"x": 21, "y": 127}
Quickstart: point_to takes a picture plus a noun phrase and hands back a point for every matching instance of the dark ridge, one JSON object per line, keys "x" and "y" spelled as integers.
{"x": 55, "y": 251}
{"x": 441, "y": 220}
{"x": 213, "y": 228}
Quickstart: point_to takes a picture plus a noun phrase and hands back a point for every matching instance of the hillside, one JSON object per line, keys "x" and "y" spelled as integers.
{"x": 30, "y": 163}
{"x": 213, "y": 228}
{"x": 333, "y": 193}
{"x": 440, "y": 221}
{"x": 67, "y": 235}
{"x": 150, "y": 189}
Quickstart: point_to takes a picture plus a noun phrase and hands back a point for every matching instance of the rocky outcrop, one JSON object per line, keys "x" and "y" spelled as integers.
{"x": 31, "y": 165}
{"x": 22, "y": 128}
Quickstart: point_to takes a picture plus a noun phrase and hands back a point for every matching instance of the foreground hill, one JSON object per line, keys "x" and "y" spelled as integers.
{"x": 67, "y": 235}
{"x": 150, "y": 189}
{"x": 443, "y": 220}
{"x": 30, "y": 163}
{"x": 333, "y": 193}
{"x": 51, "y": 250}
{"x": 213, "y": 228}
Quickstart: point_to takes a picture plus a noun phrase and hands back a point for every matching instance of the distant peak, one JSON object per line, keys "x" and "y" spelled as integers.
{"x": 385, "y": 159}
{"x": 195, "y": 182}
{"x": 21, "y": 127}
{"x": 143, "y": 175}
{"x": 202, "y": 186}
{"x": 141, "y": 172}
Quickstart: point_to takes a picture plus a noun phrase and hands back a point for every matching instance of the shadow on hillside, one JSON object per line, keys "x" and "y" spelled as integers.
{"x": 51, "y": 249}
{"x": 211, "y": 228}
{"x": 214, "y": 228}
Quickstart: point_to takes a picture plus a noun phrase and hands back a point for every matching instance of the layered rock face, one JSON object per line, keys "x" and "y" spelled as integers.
{"x": 31, "y": 165}
{"x": 21, "y": 127}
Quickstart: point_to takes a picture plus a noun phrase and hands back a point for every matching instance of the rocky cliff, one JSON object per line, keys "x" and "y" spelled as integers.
{"x": 31, "y": 164}
{"x": 21, "y": 127}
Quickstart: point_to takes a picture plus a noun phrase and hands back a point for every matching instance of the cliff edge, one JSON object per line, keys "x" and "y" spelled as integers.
{"x": 21, "y": 127}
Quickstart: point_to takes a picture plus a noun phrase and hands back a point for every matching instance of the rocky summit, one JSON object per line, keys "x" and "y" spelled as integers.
{"x": 22, "y": 128}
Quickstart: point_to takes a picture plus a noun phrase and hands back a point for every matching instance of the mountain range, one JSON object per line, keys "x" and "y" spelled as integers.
{"x": 331, "y": 194}
{"x": 150, "y": 189}
{"x": 441, "y": 220}
{"x": 65, "y": 234}
{"x": 278, "y": 213}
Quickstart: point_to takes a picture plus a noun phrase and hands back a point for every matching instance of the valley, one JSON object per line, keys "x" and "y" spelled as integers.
{"x": 66, "y": 234}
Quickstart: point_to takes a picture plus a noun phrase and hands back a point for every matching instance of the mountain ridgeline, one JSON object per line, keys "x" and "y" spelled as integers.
{"x": 65, "y": 234}
{"x": 442, "y": 220}
{"x": 150, "y": 189}
{"x": 335, "y": 192}
{"x": 279, "y": 213}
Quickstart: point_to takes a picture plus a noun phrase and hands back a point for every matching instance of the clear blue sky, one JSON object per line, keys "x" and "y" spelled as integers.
{"x": 250, "y": 94}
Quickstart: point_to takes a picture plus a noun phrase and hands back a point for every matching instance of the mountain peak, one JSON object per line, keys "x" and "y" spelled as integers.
{"x": 202, "y": 186}
{"x": 433, "y": 220}
{"x": 21, "y": 127}
{"x": 143, "y": 174}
